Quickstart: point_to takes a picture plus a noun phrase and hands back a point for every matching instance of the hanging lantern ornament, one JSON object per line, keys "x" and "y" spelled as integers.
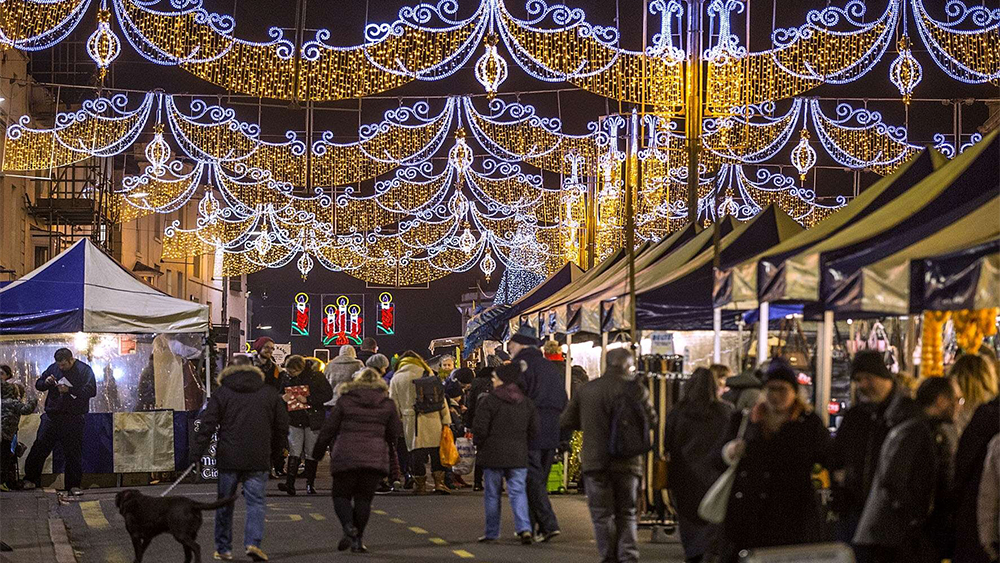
{"x": 103, "y": 45}
{"x": 263, "y": 243}
{"x": 491, "y": 69}
{"x": 467, "y": 241}
{"x": 905, "y": 72}
{"x": 803, "y": 155}
{"x": 488, "y": 265}
{"x": 460, "y": 155}
{"x": 305, "y": 264}
{"x": 158, "y": 152}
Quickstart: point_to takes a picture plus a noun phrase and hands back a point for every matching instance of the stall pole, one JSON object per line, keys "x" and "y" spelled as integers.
{"x": 569, "y": 390}
{"x": 208, "y": 370}
{"x": 762, "y": 332}
{"x": 717, "y": 338}
{"x": 824, "y": 361}
{"x": 604, "y": 352}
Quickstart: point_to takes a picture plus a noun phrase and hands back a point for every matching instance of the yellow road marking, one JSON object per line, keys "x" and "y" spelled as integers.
{"x": 397, "y": 521}
{"x": 438, "y": 541}
{"x": 463, "y": 554}
{"x": 380, "y": 512}
{"x": 417, "y": 530}
{"x": 291, "y": 518}
{"x": 93, "y": 515}
{"x": 317, "y": 516}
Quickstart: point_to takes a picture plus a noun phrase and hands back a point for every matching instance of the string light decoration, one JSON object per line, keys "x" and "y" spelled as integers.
{"x": 103, "y": 45}
{"x": 967, "y": 55}
{"x": 31, "y": 25}
{"x": 905, "y": 72}
{"x": 491, "y": 69}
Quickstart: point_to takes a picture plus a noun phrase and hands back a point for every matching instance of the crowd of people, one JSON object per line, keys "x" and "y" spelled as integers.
{"x": 913, "y": 466}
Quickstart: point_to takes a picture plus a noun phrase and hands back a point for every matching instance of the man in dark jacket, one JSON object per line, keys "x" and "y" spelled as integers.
{"x": 545, "y": 385}
{"x": 505, "y": 423}
{"x": 369, "y": 347}
{"x": 884, "y": 404}
{"x": 251, "y": 422}
{"x": 969, "y": 461}
{"x": 900, "y": 522}
{"x": 304, "y": 421}
{"x": 70, "y": 384}
{"x": 482, "y": 385}
{"x": 612, "y": 483}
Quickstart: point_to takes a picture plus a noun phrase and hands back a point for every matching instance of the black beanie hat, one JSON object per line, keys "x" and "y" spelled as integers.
{"x": 869, "y": 361}
{"x": 509, "y": 373}
{"x": 779, "y": 370}
{"x": 463, "y": 375}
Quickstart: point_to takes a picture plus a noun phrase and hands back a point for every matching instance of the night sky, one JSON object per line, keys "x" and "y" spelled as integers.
{"x": 430, "y": 312}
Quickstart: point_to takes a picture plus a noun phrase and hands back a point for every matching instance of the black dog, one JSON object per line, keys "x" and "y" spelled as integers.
{"x": 147, "y": 517}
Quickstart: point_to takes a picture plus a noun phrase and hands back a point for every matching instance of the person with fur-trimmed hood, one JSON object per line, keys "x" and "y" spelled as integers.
{"x": 360, "y": 428}
{"x": 251, "y": 421}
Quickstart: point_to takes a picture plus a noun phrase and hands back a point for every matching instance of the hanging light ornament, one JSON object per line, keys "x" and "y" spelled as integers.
{"x": 491, "y": 69}
{"x": 905, "y": 72}
{"x": 803, "y": 155}
{"x": 467, "y": 241}
{"x": 263, "y": 243}
{"x": 305, "y": 264}
{"x": 488, "y": 265}
{"x": 158, "y": 152}
{"x": 460, "y": 155}
{"x": 103, "y": 45}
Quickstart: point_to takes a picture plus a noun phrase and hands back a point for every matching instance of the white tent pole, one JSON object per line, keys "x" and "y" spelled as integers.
{"x": 604, "y": 352}
{"x": 208, "y": 370}
{"x": 762, "y": 332}
{"x": 824, "y": 377}
{"x": 569, "y": 390}
{"x": 717, "y": 338}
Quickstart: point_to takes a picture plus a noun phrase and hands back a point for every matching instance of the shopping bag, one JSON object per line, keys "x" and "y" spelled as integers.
{"x": 466, "y": 456}
{"x": 448, "y": 451}
{"x": 713, "y": 505}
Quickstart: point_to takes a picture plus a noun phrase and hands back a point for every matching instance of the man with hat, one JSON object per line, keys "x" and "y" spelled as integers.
{"x": 545, "y": 386}
{"x": 264, "y": 348}
{"x": 882, "y": 404}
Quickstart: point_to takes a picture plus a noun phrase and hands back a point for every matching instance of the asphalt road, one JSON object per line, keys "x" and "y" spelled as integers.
{"x": 304, "y": 528}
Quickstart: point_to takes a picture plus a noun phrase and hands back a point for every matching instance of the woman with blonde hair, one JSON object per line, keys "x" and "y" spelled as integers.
{"x": 977, "y": 378}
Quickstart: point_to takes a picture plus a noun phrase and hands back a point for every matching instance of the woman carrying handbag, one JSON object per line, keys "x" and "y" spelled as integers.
{"x": 772, "y": 501}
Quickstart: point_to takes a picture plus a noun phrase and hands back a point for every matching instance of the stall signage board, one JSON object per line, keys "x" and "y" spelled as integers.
{"x": 207, "y": 470}
{"x": 662, "y": 343}
{"x": 282, "y": 351}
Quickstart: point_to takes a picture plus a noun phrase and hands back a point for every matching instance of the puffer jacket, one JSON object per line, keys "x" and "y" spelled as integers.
{"x": 319, "y": 393}
{"x": 505, "y": 422}
{"x": 341, "y": 370}
{"x": 361, "y": 426}
{"x": 251, "y": 420}
{"x": 912, "y": 478}
{"x": 12, "y": 408}
{"x": 545, "y": 385}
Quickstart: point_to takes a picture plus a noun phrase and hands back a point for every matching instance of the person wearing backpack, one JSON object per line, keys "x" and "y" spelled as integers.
{"x": 419, "y": 397}
{"x": 615, "y": 415}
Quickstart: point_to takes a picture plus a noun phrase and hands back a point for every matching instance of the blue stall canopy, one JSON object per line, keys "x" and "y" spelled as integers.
{"x": 968, "y": 279}
{"x": 85, "y": 290}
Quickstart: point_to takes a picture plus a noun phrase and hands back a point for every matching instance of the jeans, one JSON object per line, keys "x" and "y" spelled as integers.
{"x": 254, "y": 484}
{"x": 66, "y": 429}
{"x": 611, "y": 498}
{"x": 515, "y": 493}
{"x": 418, "y": 461}
{"x": 541, "y": 513}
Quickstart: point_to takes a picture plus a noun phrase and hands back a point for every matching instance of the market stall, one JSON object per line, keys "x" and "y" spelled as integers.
{"x": 141, "y": 343}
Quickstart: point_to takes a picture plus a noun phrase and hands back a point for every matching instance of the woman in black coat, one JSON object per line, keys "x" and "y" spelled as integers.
{"x": 773, "y": 501}
{"x": 693, "y": 431}
{"x": 361, "y": 426}
{"x": 482, "y": 385}
{"x": 303, "y": 423}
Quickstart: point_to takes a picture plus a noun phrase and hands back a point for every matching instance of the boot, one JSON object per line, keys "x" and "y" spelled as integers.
{"x": 311, "y": 465}
{"x": 358, "y": 546}
{"x": 420, "y": 485}
{"x": 288, "y": 486}
{"x": 439, "y": 486}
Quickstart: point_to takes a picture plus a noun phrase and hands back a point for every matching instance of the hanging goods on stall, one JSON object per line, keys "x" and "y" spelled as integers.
{"x": 793, "y": 345}
{"x": 972, "y": 326}
{"x": 932, "y": 343}
{"x": 716, "y": 501}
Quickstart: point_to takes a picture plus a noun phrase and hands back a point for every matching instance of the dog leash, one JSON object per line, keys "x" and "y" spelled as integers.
{"x": 179, "y": 479}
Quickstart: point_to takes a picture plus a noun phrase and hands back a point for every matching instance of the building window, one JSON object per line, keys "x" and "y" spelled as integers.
{"x": 157, "y": 227}
{"x": 180, "y": 284}
{"x": 196, "y": 267}
{"x": 170, "y": 281}
{"x": 236, "y": 284}
{"x": 41, "y": 255}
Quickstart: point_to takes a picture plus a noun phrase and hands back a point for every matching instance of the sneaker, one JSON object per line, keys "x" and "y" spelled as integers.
{"x": 223, "y": 556}
{"x": 485, "y": 539}
{"x": 310, "y": 490}
{"x": 543, "y": 537}
{"x": 76, "y": 491}
{"x": 29, "y": 485}
{"x": 255, "y": 553}
{"x": 526, "y": 538}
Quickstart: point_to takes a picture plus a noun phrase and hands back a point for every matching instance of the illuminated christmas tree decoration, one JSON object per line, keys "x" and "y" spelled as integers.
{"x": 491, "y": 69}
{"x": 386, "y": 323}
{"x": 803, "y": 155}
{"x": 103, "y": 45}
{"x": 905, "y": 72}
{"x": 300, "y": 315}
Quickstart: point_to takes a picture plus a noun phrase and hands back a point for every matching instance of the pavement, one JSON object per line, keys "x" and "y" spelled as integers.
{"x": 304, "y": 528}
